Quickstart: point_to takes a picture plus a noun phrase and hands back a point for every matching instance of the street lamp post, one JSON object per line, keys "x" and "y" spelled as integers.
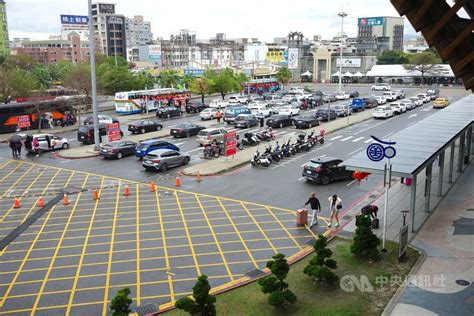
{"x": 93, "y": 82}
{"x": 342, "y": 14}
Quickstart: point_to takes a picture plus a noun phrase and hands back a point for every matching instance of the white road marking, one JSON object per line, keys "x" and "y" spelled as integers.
{"x": 413, "y": 115}
{"x": 177, "y": 144}
{"x": 350, "y": 182}
{"x": 353, "y": 152}
{"x": 279, "y": 133}
{"x": 336, "y": 137}
{"x": 322, "y": 156}
{"x": 344, "y": 139}
{"x": 299, "y": 179}
{"x": 411, "y": 123}
{"x": 426, "y": 109}
{"x": 357, "y": 139}
{"x": 369, "y": 140}
{"x": 190, "y": 151}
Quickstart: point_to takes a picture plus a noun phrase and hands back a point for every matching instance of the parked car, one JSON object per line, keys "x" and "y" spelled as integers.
{"x": 408, "y": 104}
{"x": 103, "y": 119}
{"x": 324, "y": 170}
{"x": 383, "y": 111}
{"x": 398, "y": 107}
{"x": 370, "y": 102}
{"x": 354, "y": 94}
{"x": 85, "y": 133}
{"x": 357, "y": 105}
{"x": 168, "y": 111}
{"x": 440, "y": 103}
{"x": 279, "y": 121}
{"x": 433, "y": 92}
{"x": 417, "y": 101}
{"x": 231, "y": 112}
{"x": 322, "y": 114}
{"x": 233, "y": 100}
{"x": 47, "y": 142}
{"x": 245, "y": 121}
{"x": 381, "y": 87}
{"x": 208, "y": 114}
{"x": 162, "y": 159}
{"x": 242, "y": 99}
{"x": 218, "y": 103}
{"x": 262, "y": 109}
{"x": 400, "y": 94}
{"x": 211, "y": 136}
{"x": 118, "y": 149}
{"x": 195, "y": 107}
{"x": 425, "y": 97}
{"x": 144, "y": 147}
{"x": 343, "y": 110}
{"x": 185, "y": 130}
{"x": 390, "y": 96}
{"x": 341, "y": 95}
{"x": 143, "y": 126}
{"x": 306, "y": 121}
{"x": 290, "y": 110}
{"x": 380, "y": 100}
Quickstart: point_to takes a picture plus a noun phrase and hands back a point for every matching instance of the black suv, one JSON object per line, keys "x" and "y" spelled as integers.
{"x": 85, "y": 133}
{"x": 195, "y": 107}
{"x": 168, "y": 111}
{"x": 325, "y": 170}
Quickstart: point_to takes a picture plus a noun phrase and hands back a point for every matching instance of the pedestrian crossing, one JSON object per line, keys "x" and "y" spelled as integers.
{"x": 364, "y": 139}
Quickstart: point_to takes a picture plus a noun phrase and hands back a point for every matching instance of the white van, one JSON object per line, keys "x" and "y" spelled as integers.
{"x": 218, "y": 103}
{"x": 261, "y": 109}
{"x": 389, "y": 96}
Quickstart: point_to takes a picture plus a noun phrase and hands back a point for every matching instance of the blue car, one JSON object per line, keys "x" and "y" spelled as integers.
{"x": 144, "y": 147}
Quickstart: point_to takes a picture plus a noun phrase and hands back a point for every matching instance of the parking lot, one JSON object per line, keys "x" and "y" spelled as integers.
{"x": 75, "y": 257}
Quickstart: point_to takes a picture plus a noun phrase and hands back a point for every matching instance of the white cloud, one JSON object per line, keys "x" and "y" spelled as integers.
{"x": 245, "y": 18}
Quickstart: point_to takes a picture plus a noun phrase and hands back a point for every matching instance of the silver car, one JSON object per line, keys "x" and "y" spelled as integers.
{"x": 162, "y": 159}
{"x": 343, "y": 110}
{"x": 208, "y": 114}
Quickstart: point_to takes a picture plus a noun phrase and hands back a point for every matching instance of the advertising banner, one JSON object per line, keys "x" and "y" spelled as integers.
{"x": 23, "y": 121}
{"x": 349, "y": 62}
{"x": 370, "y": 21}
{"x": 74, "y": 19}
{"x": 230, "y": 143}
{"x": 277, "y": 57}
{"x": 292, "y": 58}
{"x": 154, "y": 52}
{"x": 113, "y": 132}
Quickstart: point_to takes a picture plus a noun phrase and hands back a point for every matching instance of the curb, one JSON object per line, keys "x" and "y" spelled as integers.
{"x": 87, "y": 155}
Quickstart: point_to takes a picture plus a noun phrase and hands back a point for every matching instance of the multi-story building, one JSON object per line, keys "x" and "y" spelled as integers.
{"x": 52, "y": 51}
{"x": 175, "y": 51}
{"x": 110, "y": 28}
{"x": 4, "y": 40}
{"x": 138, "y": 31}
{"x": 415, "y": 45}
{"x": 74, "y": 23}
{"x": 377, "y": 34}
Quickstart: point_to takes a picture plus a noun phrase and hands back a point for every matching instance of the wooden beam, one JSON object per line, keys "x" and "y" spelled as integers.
{"x": 448, "y": 50}
{"x": 454, "y": 9}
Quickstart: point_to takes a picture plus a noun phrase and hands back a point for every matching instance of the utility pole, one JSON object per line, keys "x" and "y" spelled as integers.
{"x": 93, "y": 82}
{"x": 342, "y": 14}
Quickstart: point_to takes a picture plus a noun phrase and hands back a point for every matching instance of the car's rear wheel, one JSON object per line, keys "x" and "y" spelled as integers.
{"x": 159, "y": 127}
{"x": 325, "y": 180}
{"x": 186, "y": 161}
{"x": 143, "y": 131}
{"x": 65, "y": 146}
{"x": 119, "y": 155}
{"x": 164, "y": 167}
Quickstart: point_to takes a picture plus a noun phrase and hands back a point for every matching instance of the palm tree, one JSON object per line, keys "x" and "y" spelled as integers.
{"x": 284, "y": 75}
{"x": 169, "y": 78}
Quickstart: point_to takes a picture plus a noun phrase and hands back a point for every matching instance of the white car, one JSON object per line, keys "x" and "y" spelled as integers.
{"x": 289, "y": 110}
{"x": 417, "y": 101}
{"x": 233, "y": 100}
{"x": 398, "y": 107}
{"x": 242, "y": 99}
{"x": 380, "y": 100}
{"x": 208, "y": 114}
{"x": 341, "y": 95}
{"x": 408, "y": 104}
{"x": 103, "y": 119}
{"x": 383, "y": 111}
{"x": 218, "y": 103}
{"x": 381, "y": 87}
{"x": 425, "y": 97}
{"x": 47, "y": 142}
{"x": 260, "y": 110}
{"x": 257, "y": 103}
{"x": 389, "y": 96}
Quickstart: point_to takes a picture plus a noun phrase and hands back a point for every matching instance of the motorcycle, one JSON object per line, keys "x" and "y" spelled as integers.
{"x": 276, "y": 153}
{"x": 302, "y": 143}
{"x": 213, "y": 150}
{"x": 266, "y": 135}
{"x": 286, "y": 149}
{"x": 318, "y": 138}
{"x": 250, "y": 139}
{"x": 264, "y": 159}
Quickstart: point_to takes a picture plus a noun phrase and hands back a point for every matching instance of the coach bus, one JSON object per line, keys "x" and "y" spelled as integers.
{"x": 131, "y": 102}
{"x": 56, "y": 108}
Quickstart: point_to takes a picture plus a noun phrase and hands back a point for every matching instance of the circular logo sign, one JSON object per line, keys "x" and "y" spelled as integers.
{"x": 375, "y": 152}
{"x": 390, "y": 152}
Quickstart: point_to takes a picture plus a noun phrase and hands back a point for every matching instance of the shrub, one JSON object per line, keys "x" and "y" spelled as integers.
{"x": 120, "y": 304}
{"x": 202, "y": 302}
{"x": 365, "y": 241}
{"x": 321, "y": 265}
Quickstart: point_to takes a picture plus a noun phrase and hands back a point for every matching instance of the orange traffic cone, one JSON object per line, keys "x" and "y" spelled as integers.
{"x": 17, "y": 203}
{"x": 40, "y": 202}
{"x": 126, "y": 191}
{"x": 152, "y": 186}
{"x": 95, "y": 194}
{"x": 65, "y": 199}
{"x": 178, "y": 182}
{"x": 198, "y": 177}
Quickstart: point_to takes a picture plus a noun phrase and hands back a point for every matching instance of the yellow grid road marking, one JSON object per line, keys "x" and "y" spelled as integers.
{"x": 17, "y": 181}
{"x": 138, "y": 246}
{"x": 285, "y": 229}
{"x": 10, "y": 173}
{"x": 260, "y": 228}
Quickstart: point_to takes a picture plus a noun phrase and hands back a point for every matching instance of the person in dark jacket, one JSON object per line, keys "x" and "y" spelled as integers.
{"x": 315, "y": 207}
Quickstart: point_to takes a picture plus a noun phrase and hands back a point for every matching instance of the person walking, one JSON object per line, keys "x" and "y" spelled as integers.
{"x": 335, "y": 204}
{"x": 12, "y": 145}
{"x": 218, "y": 116}
{"x": 18, "y": 146}
{"x": 315, "y": 207}
{"x": 262, "y": 121}
{"x": 36, "y": 146}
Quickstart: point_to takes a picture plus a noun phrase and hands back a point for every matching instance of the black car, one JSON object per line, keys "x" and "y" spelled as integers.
{"x": 322, "y": 114}
{"x": 85, "y": 133}
{"x": 370, "y": 102}
{"x": 168, "y": 111}
{"x": 325, "y": 170}
{"x": 354, "y": 94}
{"x": 306, "y": 121}
{"x": 143, "y": 126}
{"x": 118, "y": 149}
{"x": 185, "y": 130}
{"x": 195, "y": 107}
{"x": 279, "y": 121}
{"x": 245, "y": 121}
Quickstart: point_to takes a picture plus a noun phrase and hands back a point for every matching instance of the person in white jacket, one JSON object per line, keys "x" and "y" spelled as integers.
{"x": 335, "y": 204}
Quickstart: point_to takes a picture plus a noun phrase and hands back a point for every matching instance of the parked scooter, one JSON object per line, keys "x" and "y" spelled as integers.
{"x": 261, "y": 159}
{"x": 286, "y": 149}
{"x": 266, "y": 135}
{"x": 276, "y": 153}
{"x": 318, "y": 138}
{"x": 213, "y": 150}
{"x": 250, "y": 139}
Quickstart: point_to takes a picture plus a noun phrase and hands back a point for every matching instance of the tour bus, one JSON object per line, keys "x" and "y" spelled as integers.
{"x": 131, "y": 102}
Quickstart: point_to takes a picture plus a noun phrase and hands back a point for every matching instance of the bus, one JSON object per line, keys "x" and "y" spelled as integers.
{"x": 56, "y": 108}
{"x": 131, "y": 102}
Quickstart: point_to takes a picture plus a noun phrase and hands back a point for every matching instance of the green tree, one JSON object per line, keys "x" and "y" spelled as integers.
{"x": 424, "y": 62}
{"x": 284, "y": 75}
{"x": 365, "y": 244}
{"x": 392, "y": 57}
{"x": 16, "y": 83}
{"x": 79, "y": 78}
{"x": 58, "y": 71}
{"x": 225, "y": 83}
{"x": 202, "y": 86}
{"x": 202, "y": 302}
{"x": 321, "y": 265}
{"x": 168, "y": 78}
{"x": 120, "y": 304}
{"x": 280, "y": 294}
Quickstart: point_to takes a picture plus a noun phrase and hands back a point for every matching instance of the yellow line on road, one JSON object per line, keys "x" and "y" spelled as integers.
{"x": 219, "y": 248}
{"x": 188, "y": 235}
{"x": 138, "y": 246}
{"x": 284, "y": 228}
{"x": 238, "y": 234}
{"x": 17, "y": 181}
{"x": 81, "y": 260}
{"x": 58, "y": 247}
{"x": 165, "y": 248}
{"x": 12, "y": 171}
{"x": 111, "y": 251}
{"x": 260, "y": 228}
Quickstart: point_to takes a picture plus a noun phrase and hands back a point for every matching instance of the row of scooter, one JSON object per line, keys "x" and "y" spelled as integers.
{"x": 303, "y": 143}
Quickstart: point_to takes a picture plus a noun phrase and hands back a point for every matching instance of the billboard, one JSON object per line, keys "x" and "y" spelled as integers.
{"x": 113, "y": 132}
{"x": 194, "y": 72}
{"x": 349, "y": 62}
{"x": 74, "y": 19}
{"x": 154, "y": 53}
{"x": 370, "y": 21}
{"x": 292, "y": 58}
{"x": 277, "y": 57}
{"x": 23, "y": 121}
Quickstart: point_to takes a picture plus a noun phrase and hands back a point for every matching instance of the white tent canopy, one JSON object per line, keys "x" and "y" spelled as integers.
{"x": 400, "y": 71}
{"x": 347, "y": 74}
{"x": 358, "y": 74}
{"x": 336, "y": 74}
{"x": 307, "y": 73}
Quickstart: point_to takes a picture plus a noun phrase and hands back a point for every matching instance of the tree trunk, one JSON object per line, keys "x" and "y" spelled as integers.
{"x": 202, "y": 98}
{"x": 223, "y": 95}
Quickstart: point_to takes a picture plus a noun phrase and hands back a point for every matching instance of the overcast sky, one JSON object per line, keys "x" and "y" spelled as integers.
{"x": 37, "y": 19}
